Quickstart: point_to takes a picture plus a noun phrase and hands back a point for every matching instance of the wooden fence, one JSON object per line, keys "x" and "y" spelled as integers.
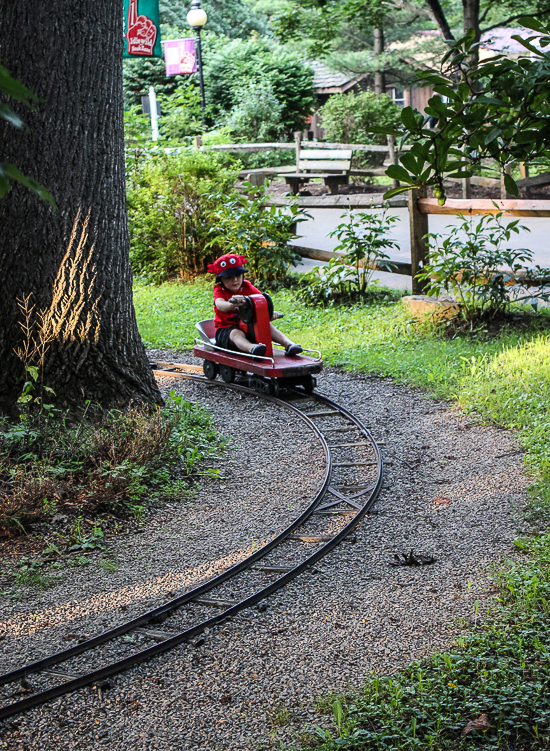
{"x": 421, "y": 207}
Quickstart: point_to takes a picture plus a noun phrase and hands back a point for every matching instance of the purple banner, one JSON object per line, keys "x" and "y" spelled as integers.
{"x": 180, "y": 56}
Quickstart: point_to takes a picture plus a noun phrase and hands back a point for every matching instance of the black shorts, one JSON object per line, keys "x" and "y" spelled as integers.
{"x": 223, "y": 340}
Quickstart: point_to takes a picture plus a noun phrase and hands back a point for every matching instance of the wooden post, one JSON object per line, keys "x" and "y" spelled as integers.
{"x": 393, "y": 156}
{"x": 523, "y": 170}
{"x": 197, "y": 142}
{"x": 419, "y": 247}
{"x": 466, "y": 186}
{"x": 298, "y": 141}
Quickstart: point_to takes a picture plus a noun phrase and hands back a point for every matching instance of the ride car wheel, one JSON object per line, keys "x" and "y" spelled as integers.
{"x": 210, "y": 369}
{"x": 227, "y": 373}
{"x": 309, "y": 384}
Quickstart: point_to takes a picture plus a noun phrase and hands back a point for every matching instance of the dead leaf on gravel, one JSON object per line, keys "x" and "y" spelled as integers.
{"x": 441, "y": 499}
{"x": 482, "y": 723}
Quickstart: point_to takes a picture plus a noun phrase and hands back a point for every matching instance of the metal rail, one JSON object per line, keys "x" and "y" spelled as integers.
{"x": 371, "y": 492}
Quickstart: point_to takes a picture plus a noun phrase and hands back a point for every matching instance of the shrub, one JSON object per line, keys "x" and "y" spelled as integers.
{"x": 257, "y": 116}
{"x": 484, "y": 277}
{"x": 347, "y": 118}
{"x": 107, "y": 460}
{"x": 232, "y": 66}
{"x": 244, "y": 225}
{"x": 181, "y": 113}
{"x": 363, "y": 240}
{"x": 184, "y": 211}
{"x": 169, "y": 203}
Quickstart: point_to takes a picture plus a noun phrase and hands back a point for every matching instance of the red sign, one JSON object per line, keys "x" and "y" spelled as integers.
{"x": 141, "y": 30}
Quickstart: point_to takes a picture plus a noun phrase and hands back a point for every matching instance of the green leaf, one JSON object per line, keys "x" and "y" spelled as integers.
{"x": 510, "y": 185}
{"x": 532, "y": 23}
{"x": 445, "y": 90}
{"x": 528, "y": 136}
{"x": 527, "y": 44}
{"x": 395, "y": 192}
{"x": 411, "y": 164}
{"x": 32, "y": 370}
{"x": 408, "y": 118}
{"x": 11, "y": 171}
{"x": 397, "y": 172}
{"x": 14, "y": 88}
{"x": 460, "y": 175}
{"x": 8, "y": 114}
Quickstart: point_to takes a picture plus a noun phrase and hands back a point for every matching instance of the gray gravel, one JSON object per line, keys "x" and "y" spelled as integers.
{"x": 453, "y": 489}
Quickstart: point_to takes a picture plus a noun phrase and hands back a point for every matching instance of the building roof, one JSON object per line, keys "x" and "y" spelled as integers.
{"x": 327, "y": 82}
{"x": 500, "y": 40}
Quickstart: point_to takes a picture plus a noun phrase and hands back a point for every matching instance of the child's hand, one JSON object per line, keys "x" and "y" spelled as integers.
{"x": 237, "y": 300}
{"x": 277, "y": 315}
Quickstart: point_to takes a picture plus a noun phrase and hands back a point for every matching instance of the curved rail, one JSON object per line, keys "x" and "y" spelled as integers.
{"x": 163, "y": 610}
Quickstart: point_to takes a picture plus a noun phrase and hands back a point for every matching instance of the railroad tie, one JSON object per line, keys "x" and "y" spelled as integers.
{"x": 215, "y": 603}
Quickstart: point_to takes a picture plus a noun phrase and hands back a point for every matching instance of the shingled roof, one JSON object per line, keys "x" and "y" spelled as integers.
{"x": 327, "y": 82}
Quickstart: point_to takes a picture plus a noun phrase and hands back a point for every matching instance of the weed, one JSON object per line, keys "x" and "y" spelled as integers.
{"x": 478, "y": 270}
{"x": 77, "y": 561}
{"x": 50, "y": 506}
{"x": 28, "y": 573}
{"x": 107, "y": 459}
{"x": 280, "y": 716}
{"x": 109, "y": 566}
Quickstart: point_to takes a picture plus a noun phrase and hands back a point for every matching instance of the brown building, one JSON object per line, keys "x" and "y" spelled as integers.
{"x": 327, "y": 83}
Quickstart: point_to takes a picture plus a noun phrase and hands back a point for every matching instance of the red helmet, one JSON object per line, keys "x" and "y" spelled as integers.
{"x": 228, "y": 265}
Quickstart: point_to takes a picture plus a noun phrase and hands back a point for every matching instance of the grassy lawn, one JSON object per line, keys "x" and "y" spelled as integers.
{"x": 503, "y": 669}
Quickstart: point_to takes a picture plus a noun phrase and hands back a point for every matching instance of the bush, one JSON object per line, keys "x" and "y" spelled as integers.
{"x": 363, "y": 240}
{"x": 244, "y": 225}
{"x": 479, "y": 271}
{"x": 257, "y": 116}
{"x": 106, "y": 461}
{"x": 184, "y": 212}
{"x": 181, "y": 113}
{"x": 347, "y": 118}
{"x": 170, "y": 201}
{"x": 232, "y": 66}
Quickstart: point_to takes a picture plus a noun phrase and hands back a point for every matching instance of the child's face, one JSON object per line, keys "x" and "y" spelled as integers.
{"x": 233, "y": 283}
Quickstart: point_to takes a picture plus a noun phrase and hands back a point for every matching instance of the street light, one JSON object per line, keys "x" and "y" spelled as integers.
{"x": 196, "y": 18}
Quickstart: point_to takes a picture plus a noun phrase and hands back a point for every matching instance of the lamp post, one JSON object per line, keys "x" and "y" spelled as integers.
{"x": 196, "y": 18}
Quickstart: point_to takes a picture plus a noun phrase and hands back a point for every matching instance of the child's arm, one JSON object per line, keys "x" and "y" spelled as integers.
{"x": 227, "y": 306}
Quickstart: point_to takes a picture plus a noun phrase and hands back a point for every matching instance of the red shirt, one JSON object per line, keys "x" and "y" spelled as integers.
{"x": 222, "y": 320}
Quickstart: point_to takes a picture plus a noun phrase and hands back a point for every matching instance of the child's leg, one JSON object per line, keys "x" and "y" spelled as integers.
{"x": 239, "y": 340}
{"x": 278, "y": 337}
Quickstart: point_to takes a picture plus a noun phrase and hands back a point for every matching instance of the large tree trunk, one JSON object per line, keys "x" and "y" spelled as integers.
{"x": 471, "y": 21}
{"x": 379, "y": 76}
{"x": 73, "y": 262}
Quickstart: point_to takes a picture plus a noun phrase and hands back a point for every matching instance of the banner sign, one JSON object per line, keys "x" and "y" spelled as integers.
{"x": 180, "y": 56}
{"x": 142, "y": 28}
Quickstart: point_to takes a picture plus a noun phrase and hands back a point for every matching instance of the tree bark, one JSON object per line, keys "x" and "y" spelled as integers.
{"x": 379, "y": 75}
{"x": 439, "y": 18}
{"x": 71, "y": 264}
{"x": 471, "y": 21}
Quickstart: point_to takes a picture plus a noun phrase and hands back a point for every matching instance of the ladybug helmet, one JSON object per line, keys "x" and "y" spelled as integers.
{"x": 230, "y": 264}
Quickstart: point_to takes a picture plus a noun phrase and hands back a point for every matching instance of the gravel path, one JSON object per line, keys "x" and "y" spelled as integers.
{"x": 452, "y": 488}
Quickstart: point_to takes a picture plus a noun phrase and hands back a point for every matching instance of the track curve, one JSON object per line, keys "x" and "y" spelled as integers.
{"x": 360, "y": 500}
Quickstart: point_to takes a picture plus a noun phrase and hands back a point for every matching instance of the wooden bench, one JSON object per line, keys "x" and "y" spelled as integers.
{"x": 333, "y": 166}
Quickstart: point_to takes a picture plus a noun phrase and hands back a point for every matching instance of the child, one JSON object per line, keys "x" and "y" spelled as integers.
{"x": 231, "y": 285}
